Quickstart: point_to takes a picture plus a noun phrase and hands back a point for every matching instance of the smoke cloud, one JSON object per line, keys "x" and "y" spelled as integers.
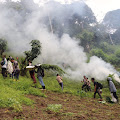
{"x": 21, "y": 26}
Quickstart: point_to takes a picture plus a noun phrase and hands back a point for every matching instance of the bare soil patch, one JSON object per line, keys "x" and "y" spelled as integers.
{"x": 73, "y": 108}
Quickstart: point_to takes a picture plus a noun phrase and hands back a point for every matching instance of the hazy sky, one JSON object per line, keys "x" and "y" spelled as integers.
{"x": 99, "y": 7}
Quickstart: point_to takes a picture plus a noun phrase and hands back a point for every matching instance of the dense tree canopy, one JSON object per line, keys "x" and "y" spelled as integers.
{"x": 3, "y": 45}
{"x": 35, "y": 51}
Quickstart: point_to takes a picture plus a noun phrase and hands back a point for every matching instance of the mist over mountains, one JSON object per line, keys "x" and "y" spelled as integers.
{"x": 112, "y": 19}
{"x": 112, "y": 22}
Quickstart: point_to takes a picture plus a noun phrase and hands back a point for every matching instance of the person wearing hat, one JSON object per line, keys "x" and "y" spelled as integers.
{"x": 112, "y": 88}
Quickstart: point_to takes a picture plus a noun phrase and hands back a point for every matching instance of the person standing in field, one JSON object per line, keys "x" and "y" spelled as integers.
{"x": 88, "y": 85}
{"x": 85, "y": 83}
{"x": 112, "y": 88}
{"x": 16, "y": 70}
{"x": 59, "y": 79}
{"x": 9, "y": 67}
{"x": 40, "y": 75}
{"x": 32, "y": 73}
{"x": 97, "y": 89}
{"x": 4, "y": 66}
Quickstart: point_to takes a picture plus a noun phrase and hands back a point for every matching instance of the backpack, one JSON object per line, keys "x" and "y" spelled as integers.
{"x": 2, "y": 62}
{"x": 100, "y": 85}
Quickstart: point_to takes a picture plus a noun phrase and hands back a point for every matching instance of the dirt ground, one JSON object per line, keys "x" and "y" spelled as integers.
{"x": 73, "y": 108}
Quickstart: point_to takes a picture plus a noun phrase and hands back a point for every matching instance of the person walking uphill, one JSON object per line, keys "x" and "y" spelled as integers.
{"x": 40, "y": 75}
{"x": 32, "y": 73}
{"x": 59, "y": 79}
{"x": 98, "y": 86}
{"x": 112, "y": 88}
{"x": 4, "y": 66}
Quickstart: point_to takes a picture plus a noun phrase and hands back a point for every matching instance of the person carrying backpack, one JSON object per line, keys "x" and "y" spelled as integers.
{"x": 40, "y": 75}
{"x": 97, "y": 89}
{"x": 4, "y": 66}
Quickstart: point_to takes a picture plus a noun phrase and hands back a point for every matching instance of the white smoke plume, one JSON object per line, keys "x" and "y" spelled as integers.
{"x": 20, "y": 29}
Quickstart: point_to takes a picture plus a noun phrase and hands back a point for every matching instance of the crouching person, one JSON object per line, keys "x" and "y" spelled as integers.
{"x": 40, "y": 75}
{"x": 112, "y": 89}
{"x": 97, "y": 88}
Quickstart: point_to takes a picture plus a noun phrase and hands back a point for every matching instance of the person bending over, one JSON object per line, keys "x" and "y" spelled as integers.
{"x": 59, "y": 79}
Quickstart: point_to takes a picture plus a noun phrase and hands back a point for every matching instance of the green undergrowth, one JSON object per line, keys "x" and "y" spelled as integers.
{"x": 12, "y": 93}
{"x": 54, "y": 107}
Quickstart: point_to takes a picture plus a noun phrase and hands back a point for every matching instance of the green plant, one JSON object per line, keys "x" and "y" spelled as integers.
{"x": 54, "y": 107}
{"x": 34, "y": 52}
{"x": 12, "y": 93}
{"x": 52, "y": 67}
{"x": 3, "y": 45}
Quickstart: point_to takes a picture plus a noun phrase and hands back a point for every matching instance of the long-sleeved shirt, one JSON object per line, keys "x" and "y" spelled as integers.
{"x": 111, "y": 85}
{"x": 9, "y": 67}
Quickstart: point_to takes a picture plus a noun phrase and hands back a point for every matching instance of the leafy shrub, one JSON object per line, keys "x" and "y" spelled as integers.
{"x": 117, "y": 53}
{"x": 99, "y": 53}
{"x": 3, "y": 45}
{"x": 106, "y": 47}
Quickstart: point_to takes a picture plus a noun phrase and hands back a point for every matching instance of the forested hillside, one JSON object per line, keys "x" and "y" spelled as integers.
{"x": 75, "y": 19}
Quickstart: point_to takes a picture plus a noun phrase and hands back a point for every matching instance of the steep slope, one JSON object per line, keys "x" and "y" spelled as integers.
{"x": 112, "y": 19}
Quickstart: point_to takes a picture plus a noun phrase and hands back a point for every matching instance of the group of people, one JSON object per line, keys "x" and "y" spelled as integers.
{"x": 10, "y": 67}
{"x": 98, "y": 88}
{"x": 86, "y": 84}
{"x": 40, "y": 75}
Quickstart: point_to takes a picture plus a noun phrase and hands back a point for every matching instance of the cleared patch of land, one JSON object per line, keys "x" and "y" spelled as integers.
{"x": 73, "y": 108}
